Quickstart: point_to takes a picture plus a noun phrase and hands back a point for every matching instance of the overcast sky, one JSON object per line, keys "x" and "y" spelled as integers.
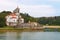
{"x": 35, "y": 8}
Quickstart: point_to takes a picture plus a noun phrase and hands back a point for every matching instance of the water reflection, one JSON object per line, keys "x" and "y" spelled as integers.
{"x": 40, "y": 36}
{"x": 11, "y": 36}
{"x": 2, "y": 36}
{"x": 30, "y": 36}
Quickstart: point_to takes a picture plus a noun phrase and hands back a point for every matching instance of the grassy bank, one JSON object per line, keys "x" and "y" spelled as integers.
{"x": 30, "y": 30}
{"x": 11, "y": 29}
{"x": 47, "y": 28}
{"x": 51, "y": 26}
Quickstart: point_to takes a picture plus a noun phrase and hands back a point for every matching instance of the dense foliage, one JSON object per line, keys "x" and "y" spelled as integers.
{"x": 49, "y": 20}
{"x": 42, "y": 20}
{"x": 27, "y": 17}
{"x": 2, "y": 18}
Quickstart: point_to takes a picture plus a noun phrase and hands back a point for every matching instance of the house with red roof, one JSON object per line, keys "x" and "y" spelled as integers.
{"x": 14, "y": 18}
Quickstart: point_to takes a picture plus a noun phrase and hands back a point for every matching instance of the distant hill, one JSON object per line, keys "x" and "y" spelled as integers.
{"x": 49, "y": 20}
{"x": 41, "y": 20}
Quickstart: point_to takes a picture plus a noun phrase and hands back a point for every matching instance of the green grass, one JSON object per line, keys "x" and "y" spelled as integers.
{"x": 9, "y": 28}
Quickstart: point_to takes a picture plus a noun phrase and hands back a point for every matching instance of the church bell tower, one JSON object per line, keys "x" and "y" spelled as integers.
{"x": 17, "y": 11}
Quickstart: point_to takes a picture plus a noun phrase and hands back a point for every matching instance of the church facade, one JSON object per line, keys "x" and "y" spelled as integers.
{"x": 14, "y": 18}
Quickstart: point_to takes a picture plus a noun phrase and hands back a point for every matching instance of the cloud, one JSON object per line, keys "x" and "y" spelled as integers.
{"x": 38, "y": 10}
{"x": 54, "y": 0}
{"x": 7, "y": 4}
{"x": 33, "y": 10}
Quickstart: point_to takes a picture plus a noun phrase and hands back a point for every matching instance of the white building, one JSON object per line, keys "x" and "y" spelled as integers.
{"x": 14, "y": 18}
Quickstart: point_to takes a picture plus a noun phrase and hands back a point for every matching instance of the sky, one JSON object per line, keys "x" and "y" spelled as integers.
{"x": 35, "y": 8}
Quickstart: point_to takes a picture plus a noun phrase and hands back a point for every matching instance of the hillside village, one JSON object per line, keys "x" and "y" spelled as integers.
{"x": 15, "y": 19}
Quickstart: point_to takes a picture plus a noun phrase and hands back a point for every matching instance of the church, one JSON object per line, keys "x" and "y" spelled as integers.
{"x": 15, "y": 19}
{"x": 12, "y": 19}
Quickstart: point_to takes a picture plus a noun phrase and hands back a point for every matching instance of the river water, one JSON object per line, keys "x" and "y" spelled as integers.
{"x": 30, "y": 36}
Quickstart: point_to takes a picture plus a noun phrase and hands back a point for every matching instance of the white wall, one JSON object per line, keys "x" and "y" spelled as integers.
{"x": 10, "y": 19}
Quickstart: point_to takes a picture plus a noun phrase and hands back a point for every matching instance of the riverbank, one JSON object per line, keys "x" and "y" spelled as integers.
{"x": 20, "y": 30}
{"x": 51, "y": 26}
{"x": 30, "y": 30}
{"x": 36, "y": 29}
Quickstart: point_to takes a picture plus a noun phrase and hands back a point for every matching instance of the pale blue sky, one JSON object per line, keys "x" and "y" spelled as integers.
{"x": 35, "y": 8}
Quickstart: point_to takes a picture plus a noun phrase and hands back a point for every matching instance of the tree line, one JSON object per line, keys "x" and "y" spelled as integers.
{"x": 41, "y": 20}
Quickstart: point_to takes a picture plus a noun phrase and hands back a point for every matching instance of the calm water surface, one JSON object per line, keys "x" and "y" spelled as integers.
{"x": 30, "y": 36}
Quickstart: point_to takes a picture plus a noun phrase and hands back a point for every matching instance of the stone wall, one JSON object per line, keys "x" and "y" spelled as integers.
{"x": 28, "y": 25}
